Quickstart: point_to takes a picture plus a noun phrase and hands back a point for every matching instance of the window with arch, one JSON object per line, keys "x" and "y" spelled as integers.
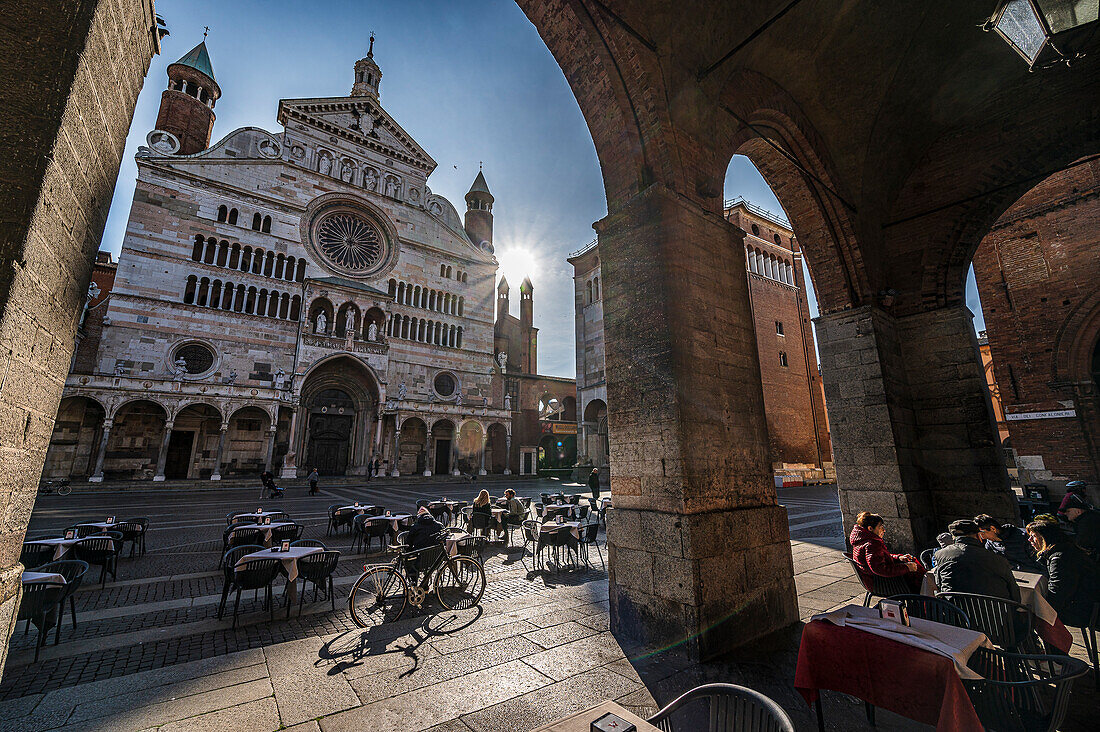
{"x": 588, "y": 293}
{"x": 596, "y": 287}
{"x": 223, "y": 213}
{"x": 783, "y": 359}
{"x": 777, "y": 239}
{"x": 463, "y": 278}
{"x": 256, "y": 221}
{"x": 265, "y": 227}
{"x": 196, "y": 251}
{"x": 755, "y": 230}
{"x": 232, "y": 216}
{"x": 442, "y": 270}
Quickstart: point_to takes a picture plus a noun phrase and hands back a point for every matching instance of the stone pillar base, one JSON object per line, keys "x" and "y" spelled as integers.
{"x": 11, "y": 590}
{"x": 158, "y": 478}
{"x": 482, "y": 472}
{"x": 95, "y": 479}
{"x": 288, "y": 472}
{"x": 455, "y": 473}
{"x": 507, "y": 471}
{"x": 216, "y": 476}
{"x": 427, "y": 473}
{"x": 396, "y": 473}
{"x": 706, "y": 582}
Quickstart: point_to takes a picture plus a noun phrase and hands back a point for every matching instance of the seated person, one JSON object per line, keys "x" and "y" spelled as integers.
{"x": 871, "y": 555}
{"x": 967, "y": 566}
{"x": 1086, "y": 525}
{"x": 1073, "y": 488}
{"x": 1010, "y": 542}
{"x": 516, "y": 511}
{"x": 482, "y": 506}
{"x": 425, "y": 533}
{"x": 1073, "y": 580}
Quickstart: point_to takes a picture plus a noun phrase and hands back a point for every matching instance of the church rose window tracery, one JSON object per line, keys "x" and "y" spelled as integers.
{"x": 349, "y": 238}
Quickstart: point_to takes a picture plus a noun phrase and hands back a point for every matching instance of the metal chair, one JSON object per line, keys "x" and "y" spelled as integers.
{"x": 1006, "y": 623}
{"x": 257, "y": 574}
{"x": 343, "y": 517}
{"x": 725, "y": 708}
{"x": 935, "y": 609}
{"x": 317, "y": 568}
{"x": 926, "y": 558}
{"x": 133, "y": 532}
{"x": 73, "y": 571}
{"x": 32, "y": 555}
{"x": 480, "y": 522}
{"x": 1022, "y": 692}
{"x": 278, "y": 515}
{"x": 229, "y": 559}
{"x": 309, "y": 542}
{"x": 82, "y": 531}
{"x": 588, "y": 533}
{"x": 236, "y": 517}
{"x": 1089, "y": 636}
{"x": 241, "y": 537}
{"x": 37, "y": 606}
{"x": 472, "y": 546}
{"x": 290, "y": 532}
{"x": 875, "y": 585}
{"x": 533, "y": 540}
{"x": 358, "y": 533}
{"x": 99, "y": 551}
{"x": 331, "y": 519}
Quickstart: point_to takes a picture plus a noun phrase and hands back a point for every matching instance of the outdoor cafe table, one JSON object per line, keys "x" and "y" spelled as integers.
{"x": 50, "y": 577}
{"x": 393, "y": 519}
{"x": 914, "y": 672}
{"x": 573, "y": 526}
{"x": 357, "y": 509}
{"x": 266, "y": 528}
{"x": 559, "y": 507}
{"x": 103, "y": 525}
{"x": 257, "y": 515}
{"x": 290, "y": 564}
{"x": 62, "y": 546}
{"x": 452, "y": 541}
{"x": 582, "y": 721}
{"x": 1032, "y": 588}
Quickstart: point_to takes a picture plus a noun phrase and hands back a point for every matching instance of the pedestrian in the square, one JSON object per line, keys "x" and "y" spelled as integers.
{"x": 594, "y": 484}
{"x": 313, "y": 479}
{"x": 370, "y": 468}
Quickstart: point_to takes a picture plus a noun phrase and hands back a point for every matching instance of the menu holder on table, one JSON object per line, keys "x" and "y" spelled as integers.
{"x": 387, "y": 513}
{"x": 357, "y": 504}
{"x": 70, "y": 534}
{"x": 894, "y": 611}
{"x": 267, "y": 520}
{"x": 285, "y": 547}
{"x": 612, "y": 723}
{"x": 110, "y": 520}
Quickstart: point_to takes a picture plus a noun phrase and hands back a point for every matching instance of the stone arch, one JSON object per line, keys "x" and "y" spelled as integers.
{"x": 340, "y": 329}
{"x": 247, "y": 439}
{"x": 339, "y": 402}
{"x": 497, "y": 459}
{"x": 471, "y": 444}
{"x": 134, "y": 443}
{"x": 443, "y": 446}
{"x": 376, "y": 316}
{"x": 192, "y": 402}
{"x": 76, "y": 437}
{"x": 319, "y": 306}
{"x": 594, "y": 433}
{"x": 413, "y": 452}
{"x": 192, "y": 447}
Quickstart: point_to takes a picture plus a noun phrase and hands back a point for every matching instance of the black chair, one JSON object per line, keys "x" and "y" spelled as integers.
{"x": 935, "y": 609}
{"x": 375, "y": 511}
{"x": 581, "y": 512}
{"x": 82, "y": 531}
{"x": 457, "y": 511}
{"x": 441, "y": 512}
{"x": 290, "y": 532}
{"x": 1089, "y": 636}
{"x": 926, "y": 558}
{"x": 722, "y": 708}
{"x": 877, "y": 586}
{"x": 38, "y": 606}
{"x": 560, "y": 539}
{"x": 380, "y": 530}
{"x": 588, "y": 533}
{"x": 480, "y": 522}
{"x": 257, "y": 574}
{"x": 309, "y": 542}
{"x": 317, "y": 568}
{"x": 244, "y": 537}
{"x": 1022, "y": 692}
{"x": 32, "y": 555}
{"x": 229, "y": 560}
{"x": 133, "y": 532}
{"x": 278, "y": 515}
{"x": 236, "y": 517}
{"x": 343, "y": 517}
{"x": 73, "y": 571}
{"x": 1006, "y": 623}
{"x": 534, "y": 540}
{"x": 472, "y": 546}
{"x": 99, "y": 551}
{"x": 358, "y": 533}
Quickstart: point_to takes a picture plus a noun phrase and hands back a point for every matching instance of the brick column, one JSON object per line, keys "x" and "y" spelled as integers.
{"x": 912, "y": 425}
{"x": 698, "y": 550}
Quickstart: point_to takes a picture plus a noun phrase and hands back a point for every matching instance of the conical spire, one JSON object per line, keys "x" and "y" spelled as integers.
{"x": 503, "y": 286}
{"x": 479, "y": 185}
{"x": 198, "y": 58}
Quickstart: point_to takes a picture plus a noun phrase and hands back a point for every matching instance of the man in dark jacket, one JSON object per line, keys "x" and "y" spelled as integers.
{"x": 1073, "y": 580}
{"x": 967, "y": 566}
{"x": 594, "y": 483}
{"x": 1010, "y": 542}
{"x": 425, "y": 533}
{"x": 1086, "y": 525}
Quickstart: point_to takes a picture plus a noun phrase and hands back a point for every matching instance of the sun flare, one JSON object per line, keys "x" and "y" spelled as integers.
{"x": 516, "y": 262}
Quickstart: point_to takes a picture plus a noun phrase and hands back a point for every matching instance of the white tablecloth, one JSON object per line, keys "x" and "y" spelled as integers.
{"x": 357, "y": 509}
{"x": 62, "y": 546}
{"x": 101, "y": 525}
{"x": 266, "y": 528}
{"x": 1033, "y": 588}
{"x": 958, "y": 644}
{"x": 573, "y": 526}
{"x": 453, "y": 539}
{"x": 393, "y": 519}
{"x": 43, "y": 577}
{"x": 289, "y": 559}
{"x": 257, "y": 516}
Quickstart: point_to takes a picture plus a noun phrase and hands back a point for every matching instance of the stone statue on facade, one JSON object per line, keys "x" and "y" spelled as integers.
{"x": 370, "y": 182}
{"x": 402, "y": 391}
{"x": 120, "y": 370}
{"x": 347, "y": 172}
{"x": 458, "y": 398}
{"x": 321, "y": 326}
{"x": 349, "y": 324}
{"x": 179, "y": 368}
{"x": 502, "y": 359}
{"x": 391, "y": 187}
{"x": 372, "y": 331}
{"x": 280, "y": 379}
{"x": 325, "y": 165}
{"x": 232, "y": 378}
{"x": 508, "y": 402}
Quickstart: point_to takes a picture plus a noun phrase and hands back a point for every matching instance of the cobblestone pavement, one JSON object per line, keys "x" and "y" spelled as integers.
{"x": 150, "y": 653}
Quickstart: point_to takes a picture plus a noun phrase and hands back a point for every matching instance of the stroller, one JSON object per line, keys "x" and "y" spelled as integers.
{"x": 267, "y": 480}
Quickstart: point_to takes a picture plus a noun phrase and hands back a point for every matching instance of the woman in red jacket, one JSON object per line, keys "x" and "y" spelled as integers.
{"x": 870, "y": 553}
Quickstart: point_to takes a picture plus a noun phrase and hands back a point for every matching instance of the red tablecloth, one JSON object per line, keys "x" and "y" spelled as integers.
{"x": 909, "y": 681}
{"x": 1056, "y": 635}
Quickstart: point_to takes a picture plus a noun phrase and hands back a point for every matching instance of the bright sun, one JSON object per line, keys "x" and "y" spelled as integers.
{"x": 516, "y": 262}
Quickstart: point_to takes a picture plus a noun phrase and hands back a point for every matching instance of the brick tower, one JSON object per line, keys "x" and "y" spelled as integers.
{"x": 479, "y": 213}
{"x": 526, "y": 321}
{"x": 187, "y": 105}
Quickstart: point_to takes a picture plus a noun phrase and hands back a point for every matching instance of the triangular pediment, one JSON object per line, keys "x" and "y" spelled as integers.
{"x": 359, "y": 120}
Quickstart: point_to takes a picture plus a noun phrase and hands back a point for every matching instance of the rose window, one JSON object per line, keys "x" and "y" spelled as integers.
{"x": 349, "y": 241}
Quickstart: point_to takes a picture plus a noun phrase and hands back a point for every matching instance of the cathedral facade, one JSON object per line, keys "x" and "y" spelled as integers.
{"x": 289, "y": 301}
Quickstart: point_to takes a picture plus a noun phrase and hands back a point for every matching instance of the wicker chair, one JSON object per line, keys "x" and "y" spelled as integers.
{"x": 877, "y": 586}
{"x": 936, "y": 609}
{"x": 32, "y": 555}
{"x": 257, "y": 574}
{"x": 317, "y": 568}
{"x": 229, "y": 559}
{"x": 73, "y": 570}
{"x": 1022, "y": 692}
{"x": 36, "y": 607}
{"x": 99, "y": 551}
{"x": 722, "y": 708}
{"x": 1006, "y": 623}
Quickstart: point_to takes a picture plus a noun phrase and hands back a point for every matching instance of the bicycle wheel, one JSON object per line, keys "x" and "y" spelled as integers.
{"x": 460, "y": 583}
{"x": 64, "y": 490}
{"x": 379, "y": 596}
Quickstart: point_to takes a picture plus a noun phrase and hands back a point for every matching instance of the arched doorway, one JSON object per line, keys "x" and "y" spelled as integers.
{"x": 74, "y": 444}
{"x": 595, "y": 433}
{"x": 339, "y": 402}
{"x": 496, "y": 457}
{"x": 470, "y": 445}
{"x": 246, "y": 445}
{"x": 412, "y": 453}
{"x": 557, "y": 451}
{"x": 443, "y": 437}
{"x": 193, "y": 445}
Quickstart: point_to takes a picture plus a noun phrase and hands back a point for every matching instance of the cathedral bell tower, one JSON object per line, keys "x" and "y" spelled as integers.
{"x": 187, "y": 105}
{"x": 502, "y": 299}
{"x": 479, "y": 214}
{"x": 368, "y": 76}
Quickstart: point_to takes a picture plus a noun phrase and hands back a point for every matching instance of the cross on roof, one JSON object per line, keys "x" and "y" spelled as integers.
{"x": 205, "y": 31}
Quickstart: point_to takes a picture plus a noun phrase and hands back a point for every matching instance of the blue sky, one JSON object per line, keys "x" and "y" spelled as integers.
{"x": 470, "y": 80}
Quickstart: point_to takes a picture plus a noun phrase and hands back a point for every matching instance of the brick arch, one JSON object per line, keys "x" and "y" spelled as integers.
{"x": 1075, "y": 342}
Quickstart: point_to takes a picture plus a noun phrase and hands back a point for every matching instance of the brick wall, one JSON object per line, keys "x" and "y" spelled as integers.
{"x": 1037, "y": 272}
{"x": 69, "y": 78}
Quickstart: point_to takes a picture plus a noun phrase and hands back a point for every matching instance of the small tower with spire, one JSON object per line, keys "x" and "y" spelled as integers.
{"x": 527, "y": 324}
{"x": 368, "y": 76}
{"x": 479, "y": 213}
{"x": 502, "y": 298}
{"x": 187, "y": 105}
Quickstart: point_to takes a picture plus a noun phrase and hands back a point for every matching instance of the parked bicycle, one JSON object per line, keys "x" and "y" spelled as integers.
{"x": 381, "y": 594}
{"x": 50, "y": 487}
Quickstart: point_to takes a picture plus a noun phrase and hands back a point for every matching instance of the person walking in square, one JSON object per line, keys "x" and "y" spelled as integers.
{"x": 594, "y": 484}
{"x": 313, "y": 479}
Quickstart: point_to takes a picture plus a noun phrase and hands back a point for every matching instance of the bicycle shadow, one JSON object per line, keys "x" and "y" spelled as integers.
{"x": 390, "y": 642}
